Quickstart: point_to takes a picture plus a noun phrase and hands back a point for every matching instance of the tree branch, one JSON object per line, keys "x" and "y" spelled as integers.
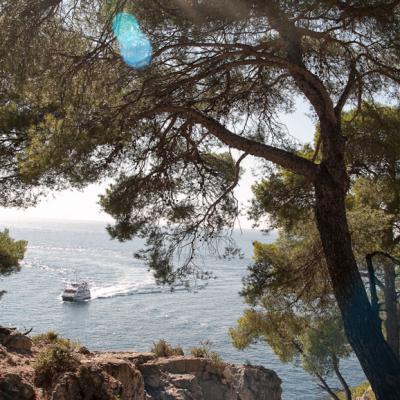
{"x": 377, "y": 10}
{"x": 347, "y": 90}
{"x": 278, "y": 156}
{"x": 342, "y": 381}
{"x": 387, "y": 255}
{"x": 308, "y": 83}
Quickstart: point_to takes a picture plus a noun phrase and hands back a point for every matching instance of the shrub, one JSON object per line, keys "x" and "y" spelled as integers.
{"x": 51, "y": 337}
{"x": 358, "y": 391}
{"x": 163, "y": 349}
{"x": 199, "y": 352}
{"x": 54, "y": 359}
{"x": 205, "y": 351}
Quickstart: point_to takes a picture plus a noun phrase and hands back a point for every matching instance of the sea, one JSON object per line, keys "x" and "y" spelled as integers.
{"x": 127, "y": 310}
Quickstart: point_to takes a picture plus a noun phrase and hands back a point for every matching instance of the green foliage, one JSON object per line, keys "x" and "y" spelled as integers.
{"x": 284, "y": 196}
{"x": 324, "y": 346}
{"x": 373, "y": 142}
{"x": 279, "y": 330}
{"x": 11, "y": 253}
{"x": 55, "y": 358}
{"x": 163, "y": 349}
{"x": 316, "y": 342}
{"x": 294, "y": 266}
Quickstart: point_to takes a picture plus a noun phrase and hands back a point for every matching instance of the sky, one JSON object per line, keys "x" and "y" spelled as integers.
{"x": 83, "y": 205}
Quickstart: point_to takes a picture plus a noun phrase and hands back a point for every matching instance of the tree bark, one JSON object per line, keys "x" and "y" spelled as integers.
{"x": 361, "y": 325}
{"x": 391, "y": 322}
{"x": 372, "y": 284}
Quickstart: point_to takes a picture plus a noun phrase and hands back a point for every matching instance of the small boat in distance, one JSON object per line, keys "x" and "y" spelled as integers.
{"x": 76, "y": 291}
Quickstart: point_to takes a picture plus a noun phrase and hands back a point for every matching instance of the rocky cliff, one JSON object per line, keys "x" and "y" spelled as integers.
{"x": 53, "y": 369}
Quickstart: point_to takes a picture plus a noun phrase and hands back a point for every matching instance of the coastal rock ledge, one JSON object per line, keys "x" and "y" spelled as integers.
{"x": 85, "y": 375}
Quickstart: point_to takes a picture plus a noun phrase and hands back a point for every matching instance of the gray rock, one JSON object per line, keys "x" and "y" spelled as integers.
{"x": 257, "y": 383}
{"x": 189, "y": 378}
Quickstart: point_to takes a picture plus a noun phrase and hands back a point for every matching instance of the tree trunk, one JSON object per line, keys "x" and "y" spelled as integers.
{"x": 342, "y": 381}
{"x": 360, "y": 323}
{"x": 391, "y": 322}
{"x": 324, "y": 386}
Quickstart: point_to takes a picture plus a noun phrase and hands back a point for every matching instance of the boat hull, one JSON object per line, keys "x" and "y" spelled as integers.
{"x": 77, "y": 299}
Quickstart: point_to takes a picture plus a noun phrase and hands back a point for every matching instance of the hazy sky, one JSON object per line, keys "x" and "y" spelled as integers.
{"x": 82, "y": 205}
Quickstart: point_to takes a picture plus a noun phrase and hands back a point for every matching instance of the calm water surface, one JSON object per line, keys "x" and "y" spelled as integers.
{"x": 122, "y": 315}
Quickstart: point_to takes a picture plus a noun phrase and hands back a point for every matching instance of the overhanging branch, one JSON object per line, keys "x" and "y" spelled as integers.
{"x": 281, "y": 157}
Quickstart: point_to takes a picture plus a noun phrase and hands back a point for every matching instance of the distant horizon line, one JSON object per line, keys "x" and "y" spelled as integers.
{"x": 82, "y": 220}
{"x": 53, "y": 219}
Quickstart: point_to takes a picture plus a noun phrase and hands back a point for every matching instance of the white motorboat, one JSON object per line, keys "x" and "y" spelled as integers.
{"x": 76, "y": 291}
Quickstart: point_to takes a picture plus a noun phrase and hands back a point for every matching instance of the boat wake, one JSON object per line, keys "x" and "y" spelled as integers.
{"x": 121, "y": 290}
{"x": 130, "y": 290}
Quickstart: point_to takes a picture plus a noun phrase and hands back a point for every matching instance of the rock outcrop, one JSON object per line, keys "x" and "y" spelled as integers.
{"x": 201, "y": 379}
{"x": 92, "y": 382}
{"x": 128, "y": 376}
